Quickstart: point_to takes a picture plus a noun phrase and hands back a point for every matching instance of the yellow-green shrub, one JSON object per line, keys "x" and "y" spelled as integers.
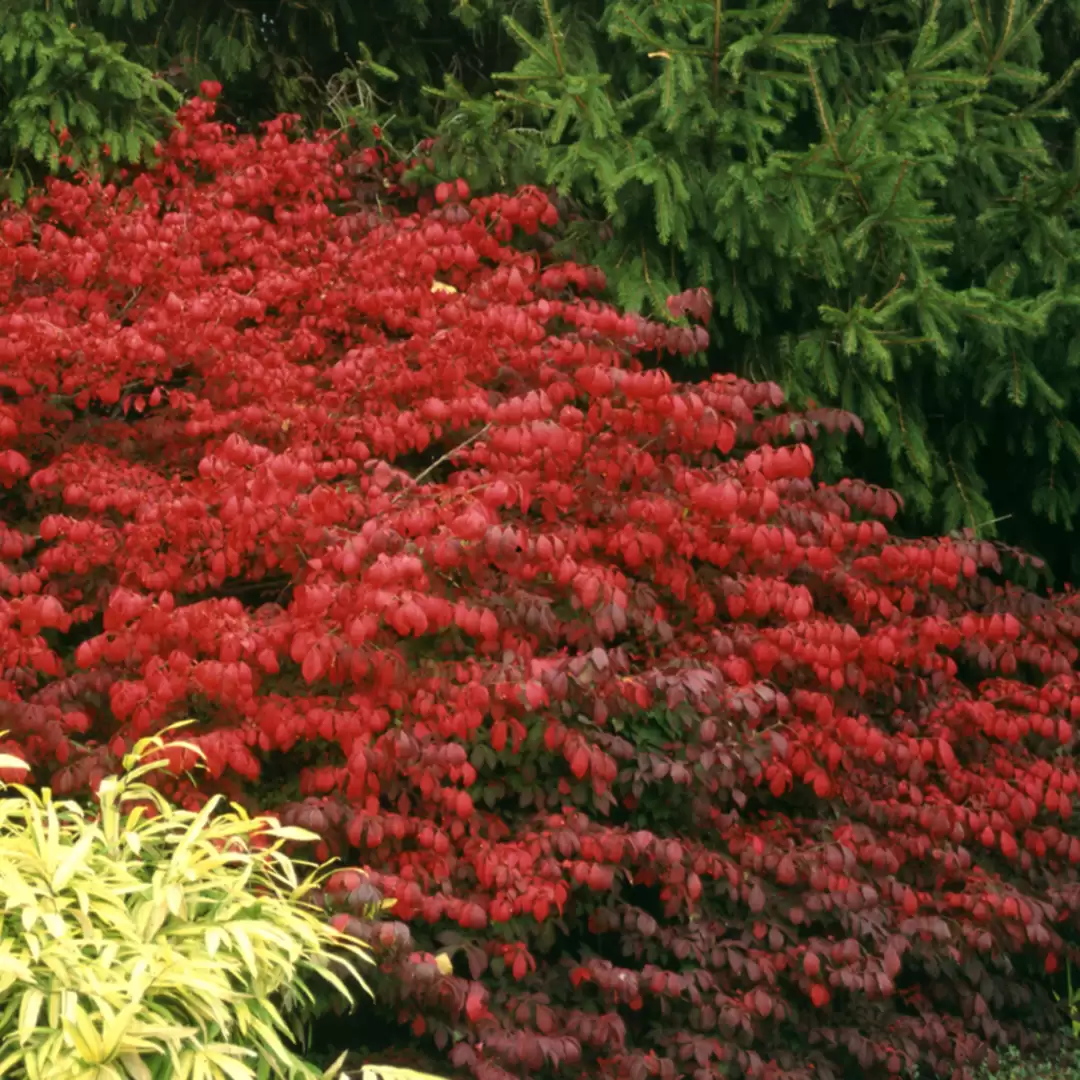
{"x": 139, "y": 941}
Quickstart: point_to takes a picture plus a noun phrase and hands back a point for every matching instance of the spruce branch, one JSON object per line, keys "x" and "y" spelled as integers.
{"x": 888, "y": 296}
{"x": 718, "y": 15}
{"x": 983, "y": 32}
{"x": 1006, "y": 37}
{"x": 1032, "y": 19}
{"x": 830, "y": 136}
{"x": 549, "y": 19}
{"x": 962, "y": 491}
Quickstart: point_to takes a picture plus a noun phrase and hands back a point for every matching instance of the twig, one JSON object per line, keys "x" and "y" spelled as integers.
{"x": 446, "y": 457}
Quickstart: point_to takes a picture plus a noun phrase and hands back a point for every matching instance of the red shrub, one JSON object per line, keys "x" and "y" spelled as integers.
{"x": 709, "y": 773}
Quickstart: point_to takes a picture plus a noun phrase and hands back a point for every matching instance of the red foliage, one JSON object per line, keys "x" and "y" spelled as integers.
{"x": 708, "y": 772}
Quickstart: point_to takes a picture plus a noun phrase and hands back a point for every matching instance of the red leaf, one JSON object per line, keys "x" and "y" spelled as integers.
{"x": 892, "y": 963}
{"x": 600, "y": 878}
{"x": 579, "y": 762}
{"x": 313, "y": 666}
{"x": 475, "y": 1009}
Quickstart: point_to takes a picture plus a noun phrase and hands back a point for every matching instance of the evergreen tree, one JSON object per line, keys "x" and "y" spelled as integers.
{"x": 111, "y": 72}
{"x": 68, "y": 91}
{"x": 882, "y": 197}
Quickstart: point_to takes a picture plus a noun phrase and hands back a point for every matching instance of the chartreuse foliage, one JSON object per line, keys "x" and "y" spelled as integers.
{"x": 676, "y": 761}
{"x": 143, "y": 942}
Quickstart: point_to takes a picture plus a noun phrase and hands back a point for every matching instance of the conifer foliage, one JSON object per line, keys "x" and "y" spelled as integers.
{"x": 97, "y": 82}
{"x": 882, "y": 198}
{"x": 676, "y": 762}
